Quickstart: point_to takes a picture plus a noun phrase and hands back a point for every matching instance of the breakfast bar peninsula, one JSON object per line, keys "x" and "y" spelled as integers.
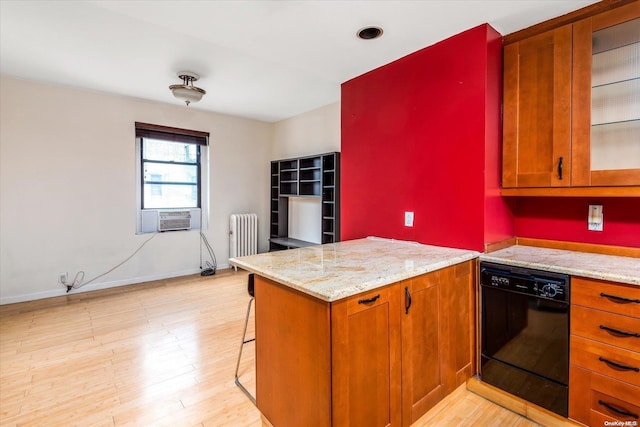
{"x": 367, "y": 332}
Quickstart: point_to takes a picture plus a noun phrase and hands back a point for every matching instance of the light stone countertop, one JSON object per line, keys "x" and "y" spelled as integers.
{"x": 334, "y": 271}
{"x": 596, "y": 266}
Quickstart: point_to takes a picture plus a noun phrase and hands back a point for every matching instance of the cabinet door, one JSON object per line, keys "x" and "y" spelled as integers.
{"x": 537, "y": 120}
{"x": 458, "y": 295}
{"x": 606, "y": 99}
{"x": 365, "y": 336}
{"x": 424, "y": 346}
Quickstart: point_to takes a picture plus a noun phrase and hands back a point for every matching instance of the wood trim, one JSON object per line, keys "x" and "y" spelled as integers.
{"x": 502, "y": 244}
{"x": 510, "y": 123}
{"x": 617, "y": 16}
{"x": 581, "y": 105}
{"x": 518, "y": 405}
{"x": 581, "y": 247}
{"x": 630, "y": 191}
{"x": 561, "y": 138}
{"x": 615, "y": 177}
{"x": 265, "y": 421}
{"x": 568, "y": 18}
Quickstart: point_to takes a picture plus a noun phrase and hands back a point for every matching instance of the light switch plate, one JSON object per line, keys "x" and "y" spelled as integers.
{"x": 595, "y": 221}
{"x": 408, "y": 219}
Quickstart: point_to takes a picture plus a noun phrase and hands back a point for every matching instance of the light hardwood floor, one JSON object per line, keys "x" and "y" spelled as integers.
{"x": 156, "y": 354}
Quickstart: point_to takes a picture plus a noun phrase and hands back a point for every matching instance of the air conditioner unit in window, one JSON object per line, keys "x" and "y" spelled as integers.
{"x": 174, "y": 220}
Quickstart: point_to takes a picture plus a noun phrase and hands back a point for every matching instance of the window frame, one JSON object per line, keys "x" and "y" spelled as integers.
{"x": 177, "y": 135}
{"x": 198, "y": 183}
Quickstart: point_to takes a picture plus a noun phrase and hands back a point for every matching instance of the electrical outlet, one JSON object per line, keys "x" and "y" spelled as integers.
{"x": 408, "y": 219}
{"x": 63, "y": 277}
{"x": 595, "y": 219}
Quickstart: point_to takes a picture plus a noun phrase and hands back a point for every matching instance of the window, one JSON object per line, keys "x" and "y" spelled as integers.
{"x": 170, "y": 164}
{"x": 170, "y": 174}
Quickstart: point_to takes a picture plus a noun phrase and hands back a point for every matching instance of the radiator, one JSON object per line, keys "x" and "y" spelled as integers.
{"x": 243, "y": 235}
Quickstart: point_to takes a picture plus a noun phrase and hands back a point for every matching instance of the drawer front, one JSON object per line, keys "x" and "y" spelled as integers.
{"x": 609, "y": 328}
{"x": 607, "y": 296}
{"x": 370, "y": 299}
{"x": 611, "y": 400}
{"x": 607, "y": 360}
{"x": 594, "y": 398}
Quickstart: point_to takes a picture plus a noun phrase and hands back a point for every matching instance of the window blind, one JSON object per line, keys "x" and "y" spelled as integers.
{"x": 166, "y": 133}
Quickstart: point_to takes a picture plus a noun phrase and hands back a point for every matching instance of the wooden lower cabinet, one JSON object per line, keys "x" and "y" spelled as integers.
{"x": 458, "y": 296}
{"x": 604, "y": 371}
{"x": 424, "y": 346}
{"x": 293, "y": 356}
{"x": 438, "y": 335}
{"x": 366, "y": 359}
{"x": 595, "y": 398}
{"x": 380, "y": 358}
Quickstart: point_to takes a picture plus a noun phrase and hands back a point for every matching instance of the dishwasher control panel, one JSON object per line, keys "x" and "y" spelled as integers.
{"x": 528, "y": 281}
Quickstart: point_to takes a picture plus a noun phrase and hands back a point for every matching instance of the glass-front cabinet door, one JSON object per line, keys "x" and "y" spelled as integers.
{"x": 606, "y": 99}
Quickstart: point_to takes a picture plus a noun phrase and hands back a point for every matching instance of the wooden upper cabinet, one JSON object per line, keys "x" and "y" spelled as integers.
{"x": 572, "y": 105}
{"x": 606, "y": 99}
{"x": 537, "y": 121}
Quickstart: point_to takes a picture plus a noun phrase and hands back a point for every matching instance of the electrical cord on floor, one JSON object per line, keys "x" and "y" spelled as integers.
{"x": 77, "y": 280}
{"x": 211, "y": 267}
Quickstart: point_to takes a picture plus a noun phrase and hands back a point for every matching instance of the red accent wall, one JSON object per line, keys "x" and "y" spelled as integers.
{"x": 566, "y": 219}
{"x": 422, "y": 134}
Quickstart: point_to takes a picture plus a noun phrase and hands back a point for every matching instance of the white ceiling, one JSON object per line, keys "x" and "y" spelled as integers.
{"x": 262, "y": 59}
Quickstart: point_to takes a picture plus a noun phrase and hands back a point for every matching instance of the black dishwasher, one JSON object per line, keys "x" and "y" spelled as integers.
{"x": 525, "y": 333}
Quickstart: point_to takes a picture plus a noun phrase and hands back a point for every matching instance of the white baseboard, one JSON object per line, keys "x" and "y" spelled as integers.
{"x": 104, "y": 285}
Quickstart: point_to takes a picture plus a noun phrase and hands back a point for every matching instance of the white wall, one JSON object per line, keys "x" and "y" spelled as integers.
{"x": 67, "y": 181}
{"x": 314, "y": 132}
{"x": 305, "y": 219}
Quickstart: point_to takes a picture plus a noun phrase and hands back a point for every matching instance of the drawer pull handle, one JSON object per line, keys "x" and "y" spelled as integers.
{"x": 618, "y": 411}
{"x": 619, "y": 299}
{"x": 618, "y": 365}
{"x": 621, "y": 333}
{"x": 407, "y": 300}
{"x": 369, "y": 300}
{"x": 560, "y": 168}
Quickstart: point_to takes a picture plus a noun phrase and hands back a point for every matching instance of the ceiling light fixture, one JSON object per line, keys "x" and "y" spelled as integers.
{"x": 369, "y": 33}
{"x": 187, "y": 92}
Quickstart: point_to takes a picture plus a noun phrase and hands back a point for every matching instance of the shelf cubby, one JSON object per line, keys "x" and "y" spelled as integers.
{"x": 311, "y": 176}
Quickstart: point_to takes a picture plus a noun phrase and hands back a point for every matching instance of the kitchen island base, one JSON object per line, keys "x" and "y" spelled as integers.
{"x": 383, "y": 357}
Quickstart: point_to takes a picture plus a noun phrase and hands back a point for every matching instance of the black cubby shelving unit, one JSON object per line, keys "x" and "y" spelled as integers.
{"x": 311, "y": 176}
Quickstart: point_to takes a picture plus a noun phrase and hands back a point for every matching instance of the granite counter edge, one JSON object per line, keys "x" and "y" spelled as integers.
{"x": 591, "y": 274}
{"x": 350, "y": 290}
